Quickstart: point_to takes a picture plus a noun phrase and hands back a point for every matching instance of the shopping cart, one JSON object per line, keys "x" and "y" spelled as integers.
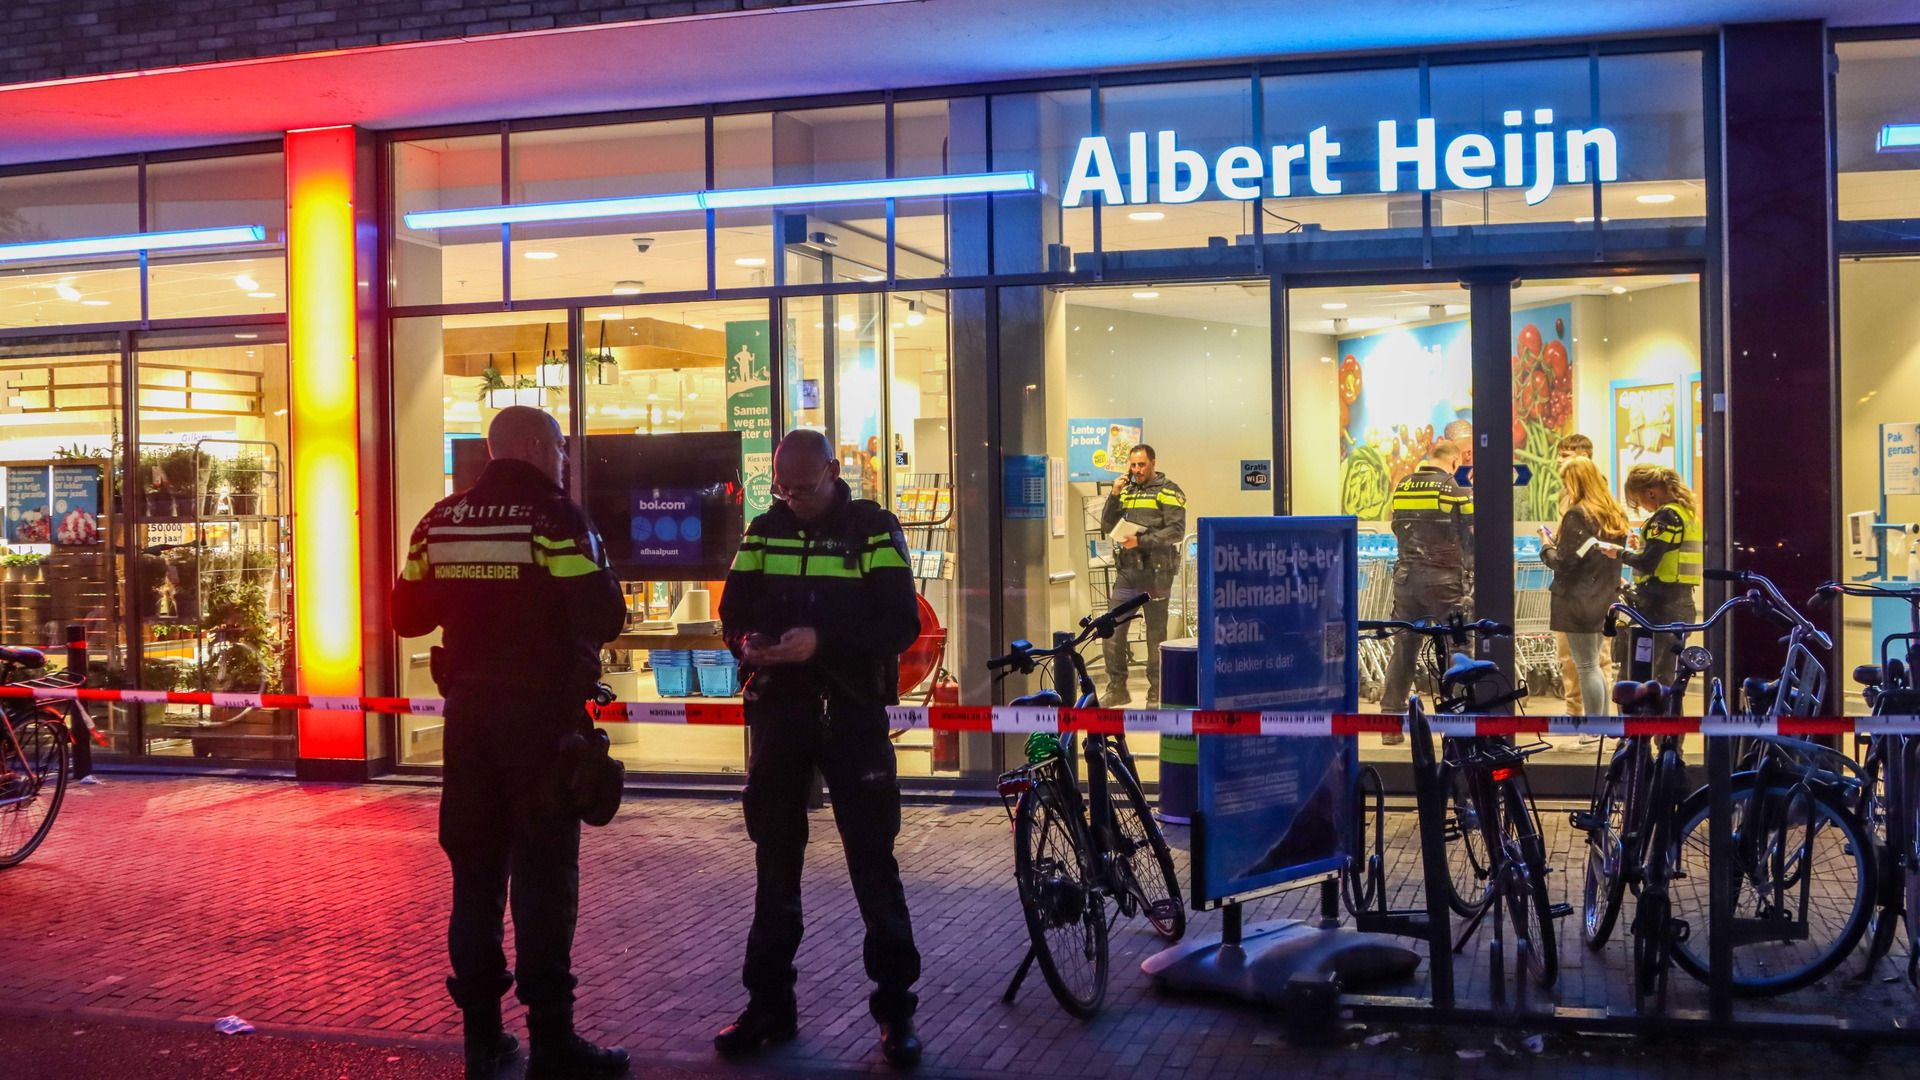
{"x": 1536, "y": 656}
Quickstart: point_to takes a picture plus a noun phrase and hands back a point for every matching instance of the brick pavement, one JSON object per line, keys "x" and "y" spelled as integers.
{"x": 320, "y": 909}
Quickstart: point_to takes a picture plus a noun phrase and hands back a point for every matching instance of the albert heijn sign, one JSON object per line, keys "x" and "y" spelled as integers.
{"x": 1522, "y": 155}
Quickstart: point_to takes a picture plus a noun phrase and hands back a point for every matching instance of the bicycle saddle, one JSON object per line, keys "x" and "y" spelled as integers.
{"x": 27, "y": 658}
{"x": 1759, "y": 691}
{"x": 1867, "y": 674}
{"x": 1465, "y": 669}
{"x": 1630, "y": 695}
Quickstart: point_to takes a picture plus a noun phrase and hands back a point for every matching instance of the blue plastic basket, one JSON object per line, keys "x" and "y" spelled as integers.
{"x": 670, "y": 657}
{"x": 719, "y": 680}
{"x": 673, "y": 681}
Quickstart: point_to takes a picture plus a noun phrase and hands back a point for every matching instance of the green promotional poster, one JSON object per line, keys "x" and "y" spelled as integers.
{"x": 750, "y": 409}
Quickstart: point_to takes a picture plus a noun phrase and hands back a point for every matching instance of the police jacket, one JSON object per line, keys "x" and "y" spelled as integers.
{"x": 846, "y": 576}
{"x": 1161, "y": 507}
{"x": 513, "y": 573}
{"x": 1432, "y": 519}
{"x": 1674, "y": 551}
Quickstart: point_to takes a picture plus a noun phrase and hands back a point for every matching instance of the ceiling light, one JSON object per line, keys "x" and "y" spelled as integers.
{"x": 1146, "y": 294}
{"x": 95, "y": 303}
{"x": 698, "y": 326}
{"x": 1655, "y": 198}
{"x": 246, "y": 337}
{"x": 542, "y": 256}
{"x": 751, "y": 262}
{"x": 846, "y": 322}
{"x": 1618, "y": 289}
{"x": 1146, "y": 215}
{"x": 628, "y": 288}
{"x": 1588, "y": 220}
{"x": 261, "y": 295}
{"x": 1326, "y": 359}
{"x": 154, "y": 241}
{"x": 693, "y": 395}
{"x": 873, "y": 277}
{"x": 67, "y": 292}
{"x": 245, "y": 283}
{"x": 914, "y": 318}
{"x": 1333, "y": 307}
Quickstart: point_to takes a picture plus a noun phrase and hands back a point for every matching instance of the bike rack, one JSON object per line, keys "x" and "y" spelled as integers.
{"x": 1441, "y": 1006}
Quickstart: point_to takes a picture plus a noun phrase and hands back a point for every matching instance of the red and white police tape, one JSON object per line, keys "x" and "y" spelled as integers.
{"x": 1023, "y": 720}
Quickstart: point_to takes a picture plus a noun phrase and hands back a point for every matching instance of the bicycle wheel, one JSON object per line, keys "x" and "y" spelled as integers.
{"x": 1803, "y": 881}
{"x": 28, "y": 806}
{"x": 1529, "y": 906}
{"x": 1468, "y": 864}
{"x": 1066, "y": 916}
{"x": 1142, "y": 851}
{"x": 1606, "y": 881}
{"x": 1910, "y": 813}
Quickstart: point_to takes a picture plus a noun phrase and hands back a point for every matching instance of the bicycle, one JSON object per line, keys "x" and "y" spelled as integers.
{"x": 1496, "y": 850}
{"x": 1075, "y": 852}
{"x": 1889, "y": 799}
{"x": 1798, "y": 851}
{"x": 34, "y": 759}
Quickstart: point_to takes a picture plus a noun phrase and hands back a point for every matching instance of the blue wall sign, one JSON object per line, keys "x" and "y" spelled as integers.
{"x": 1097, "y": 446}
{"x": 1023, "y": 486}
{"x": 1278, "y": 604}
{"x": 665, "y": 526}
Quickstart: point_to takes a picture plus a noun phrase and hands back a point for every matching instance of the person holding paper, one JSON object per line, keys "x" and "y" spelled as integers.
{"x": 1570, "y": 447}
{"x": 1146, "y": 518}
{"x": 1584, "y": 557}
{"x": 1667, "y": 567}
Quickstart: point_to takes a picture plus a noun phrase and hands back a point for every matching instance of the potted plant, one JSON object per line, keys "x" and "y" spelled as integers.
{"x": 154, "y": 486}
{"x": 243, "y": 482}
{"x": 259, "y": 565}
{"x": 213, "y": 473}
{"x": 603, "y": 368}
{"x": 182, "y": 469}
{"x": 25, "y": 566}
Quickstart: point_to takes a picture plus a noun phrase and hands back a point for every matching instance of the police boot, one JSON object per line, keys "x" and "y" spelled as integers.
{"x": 758, "y": 1027}
{"x": 557, "y": 1052}
{"x": 488, "y": 1045}
{"x": 898, "y": 1043}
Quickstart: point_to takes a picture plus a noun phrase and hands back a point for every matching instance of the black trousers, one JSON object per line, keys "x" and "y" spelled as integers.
{"x": 508, "y": 833}
{"x": 1118, "y": 648}
{"x": 1419, "y": 592}
{"x": 791, "y": 737}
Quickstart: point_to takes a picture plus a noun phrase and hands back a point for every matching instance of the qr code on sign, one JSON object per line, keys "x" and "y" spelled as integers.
{"x": 1333, "y": 643}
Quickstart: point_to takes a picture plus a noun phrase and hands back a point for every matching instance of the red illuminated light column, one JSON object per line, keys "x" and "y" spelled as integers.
{"x": 325, "y": 436}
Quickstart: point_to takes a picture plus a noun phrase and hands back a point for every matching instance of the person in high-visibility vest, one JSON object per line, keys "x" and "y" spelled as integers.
{"x": 1432, "y": 516}
{"x": 1666, "y": 569}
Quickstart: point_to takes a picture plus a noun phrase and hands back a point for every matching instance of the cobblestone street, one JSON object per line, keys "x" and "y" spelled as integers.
{"x": 316, "y": 910}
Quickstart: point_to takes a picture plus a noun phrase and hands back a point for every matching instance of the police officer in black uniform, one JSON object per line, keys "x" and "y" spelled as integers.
{"x": 1145, "y": 562}
{"x": 1432, "y": 517}
{"x": 819, "y": 606}
{"x": 513, "y": 575}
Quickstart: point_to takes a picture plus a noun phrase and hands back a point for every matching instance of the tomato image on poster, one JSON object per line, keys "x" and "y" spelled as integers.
{"x": 1402, "y": 388}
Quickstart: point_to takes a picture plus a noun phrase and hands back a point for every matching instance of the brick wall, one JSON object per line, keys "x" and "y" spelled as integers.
{"x": 43, "y": 40}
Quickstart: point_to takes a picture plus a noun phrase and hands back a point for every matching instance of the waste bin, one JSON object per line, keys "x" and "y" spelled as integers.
{"x": 1179, "y": 754}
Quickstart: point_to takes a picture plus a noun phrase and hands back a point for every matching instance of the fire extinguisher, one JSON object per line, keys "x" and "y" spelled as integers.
{"x": 946, "y": 744}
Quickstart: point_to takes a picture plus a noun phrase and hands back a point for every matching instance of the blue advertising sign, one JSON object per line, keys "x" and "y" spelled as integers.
{"x": 76, "y": 504}
{"x": 1097, "y": 447}
{"x": 29, "y": 515}
{"x": 1278, "y": 610}
{"x": 665, "y": 526}
{"x": 1023, "y": 490}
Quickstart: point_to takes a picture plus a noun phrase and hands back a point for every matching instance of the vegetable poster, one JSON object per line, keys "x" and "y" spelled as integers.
{"x": 1403, "y": 388}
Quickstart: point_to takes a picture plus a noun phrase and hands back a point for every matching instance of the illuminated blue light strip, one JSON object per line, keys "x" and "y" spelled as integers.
{"x": 152, "y": 241}
{"x": 1900, "y": 137}
{"x": 911, "y": 187}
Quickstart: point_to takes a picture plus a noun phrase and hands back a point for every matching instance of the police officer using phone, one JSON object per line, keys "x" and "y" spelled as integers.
{"x": 819, "y": 606}
{"x": 1144, "y": 562}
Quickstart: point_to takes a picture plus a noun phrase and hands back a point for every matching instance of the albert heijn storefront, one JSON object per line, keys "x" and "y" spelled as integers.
{"x": 237, "y": 374}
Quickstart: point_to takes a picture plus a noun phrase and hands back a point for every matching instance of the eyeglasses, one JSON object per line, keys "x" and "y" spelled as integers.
{"x": 820, "y": 488}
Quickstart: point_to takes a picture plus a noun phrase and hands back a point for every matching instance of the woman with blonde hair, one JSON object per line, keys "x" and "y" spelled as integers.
{"x": 1586, "y": 578}
{"x": 1666, "y": 568}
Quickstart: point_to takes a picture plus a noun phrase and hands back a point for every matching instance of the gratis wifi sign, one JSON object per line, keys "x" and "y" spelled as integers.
{"x": 1521, "y": 155}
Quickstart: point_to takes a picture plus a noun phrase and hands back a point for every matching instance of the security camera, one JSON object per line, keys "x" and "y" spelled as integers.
{"x": 642, "y": 243}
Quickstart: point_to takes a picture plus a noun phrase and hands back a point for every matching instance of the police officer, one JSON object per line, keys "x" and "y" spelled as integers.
{"x": 819, "y": 606}
{"x": 1432, "y": 519}
{"x": 513, "y": 575}
{"x": 1667, "y": 567}
{"x": 1144, "y": 563}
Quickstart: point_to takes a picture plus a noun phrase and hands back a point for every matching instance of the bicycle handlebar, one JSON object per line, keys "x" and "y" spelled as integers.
{"x": 1381, "y": 628}
{"x": 1617, "y": 611}
{"x": 1783, "y": 612}
{"x": 1103, "y": 625}
{"x": 1828, "y": 590}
